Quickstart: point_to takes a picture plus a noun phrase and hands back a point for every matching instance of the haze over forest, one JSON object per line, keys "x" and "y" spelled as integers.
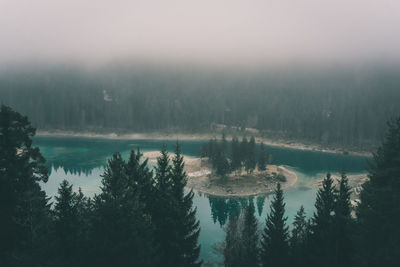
{"x": 312, "y": 71}
{"x": 289, "y": 94}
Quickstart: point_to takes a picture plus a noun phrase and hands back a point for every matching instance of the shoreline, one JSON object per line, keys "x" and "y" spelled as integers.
{"x": 201, "y": 179}
{"x": 267, "y": 187}
{"x": 200, "y": 137}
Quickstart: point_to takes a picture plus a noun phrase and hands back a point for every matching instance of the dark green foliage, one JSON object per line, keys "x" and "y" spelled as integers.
{"x": 187, "y": 226}
{"x": 294, "y": 103}
{"x": 66, "y": 224}
{"x": 343, "y": 225}
{"x": 298, "y": 239}
{"x": 379, "y": 211}
{"x": 262, "y": 158}
{"x": 223, "y": 162}
{"x": 250, "y": 161}
{"x": 236, "y": 161}
{"x": 25, "y": 213}
{"x": 122, "y": 233}
{"x": 274, "y": 243}
{"x": 140, "y": 178}
{"x": 244, "y": 145}
{"x": 323, "y": 236}
{"x": 249, "y": 238}
{"x": 173, "y": 210}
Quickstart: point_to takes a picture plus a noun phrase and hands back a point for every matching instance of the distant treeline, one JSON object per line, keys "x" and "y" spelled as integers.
{"x": 345, "y": 106}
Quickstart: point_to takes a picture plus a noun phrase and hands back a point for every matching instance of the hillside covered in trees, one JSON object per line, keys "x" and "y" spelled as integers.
{"x": 345, "y": 106}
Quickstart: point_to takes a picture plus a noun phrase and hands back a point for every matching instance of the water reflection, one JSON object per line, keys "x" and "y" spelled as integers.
{"x": 223, "y": 207}
{"x": 81, "y": 161}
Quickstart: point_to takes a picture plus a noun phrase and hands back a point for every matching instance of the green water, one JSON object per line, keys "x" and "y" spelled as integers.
{"x": 81, "y": 161}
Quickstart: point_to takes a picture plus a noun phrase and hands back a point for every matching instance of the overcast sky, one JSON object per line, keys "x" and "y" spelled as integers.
{"x": 201, "y": 30}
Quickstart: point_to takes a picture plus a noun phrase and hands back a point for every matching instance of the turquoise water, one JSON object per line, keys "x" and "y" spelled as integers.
{"x": 81, "y": 161}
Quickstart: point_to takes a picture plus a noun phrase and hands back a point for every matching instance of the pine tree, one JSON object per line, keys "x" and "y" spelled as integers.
{"x": 262, "y": 158}
{"x": 25, "y": 212}
{"x": 379, "y": 211}
{"x": 274, "y": 244}
{"x": 84, "y": 208}
{"x": 164, "y": 211}
{"x": 250, "y": 162}
{"x": 322, "y": 239}
{"x": 187, "y": 226}
{"x": 343, "y": 225}
{"x": 140, "y": 178}
{"x": 66, "y": 224}
{"x": 249, "y": 238}
{"x": 236, "y": 163}
{"x": 122, "y": 232}
{"x": 244, "y": 150}
{"x": 221, "y": 164}
{"x": 298, "y": 239}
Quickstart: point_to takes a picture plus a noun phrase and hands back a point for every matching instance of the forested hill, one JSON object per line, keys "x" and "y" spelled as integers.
{"x": 347, "y": 106}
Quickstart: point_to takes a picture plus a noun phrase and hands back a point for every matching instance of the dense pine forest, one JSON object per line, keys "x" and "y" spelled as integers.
{"x": 146, "y": 218}
{"x": 341, "y": 105}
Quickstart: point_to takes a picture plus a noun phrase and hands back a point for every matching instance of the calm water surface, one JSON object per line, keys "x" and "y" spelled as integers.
{"x": 81, "y": 161}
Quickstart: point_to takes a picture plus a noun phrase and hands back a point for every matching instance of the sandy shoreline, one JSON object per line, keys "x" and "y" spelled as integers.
{"x": 202, "y": 179}
{"x": 247, "y": 185}
{"x": 193, "y": 137}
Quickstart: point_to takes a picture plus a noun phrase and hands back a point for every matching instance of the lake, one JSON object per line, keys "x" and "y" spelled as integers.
{"x": 81, "y": 162}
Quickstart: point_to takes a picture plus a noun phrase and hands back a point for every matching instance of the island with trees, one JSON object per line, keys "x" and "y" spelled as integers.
{"x": 237, "y": 168}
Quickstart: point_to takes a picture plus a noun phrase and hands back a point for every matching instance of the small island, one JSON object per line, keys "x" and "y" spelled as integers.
{"x": 241, "y": 170}
{"x": 204, "y": 180}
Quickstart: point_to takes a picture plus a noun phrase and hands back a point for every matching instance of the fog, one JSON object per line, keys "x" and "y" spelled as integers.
{"x": 220, "y": 31}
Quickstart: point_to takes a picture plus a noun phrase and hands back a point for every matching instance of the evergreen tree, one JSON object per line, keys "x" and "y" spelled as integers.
{"x": 323, "y": 224}
{"x": 274, "y": 244}
{"x": 379, "y": 211}
{"x": 187, "y": 226}
{"x": 262, "y": 158}
{"x": 298, "y": 239}
{"x": 164, "y": 211}
{"x": 343, "y": 225}
{"x": 66, "y": 224}
{"x": 84, "y": 208}
{"x": 236, "y": 163}
{"x": 249, "y": 238}
{"x": 140, "y": 178}
{"x": 250, "y": 162}
{"x": 25, "y": 212}
{"x": 221, "y": 164}
{"x": 244, "y": 150}
{"x": 122, "y": 233}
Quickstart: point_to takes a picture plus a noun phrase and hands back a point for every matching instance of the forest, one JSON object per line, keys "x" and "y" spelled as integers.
{"x": 344, "y": 105}
{"x": 141, "y": 218}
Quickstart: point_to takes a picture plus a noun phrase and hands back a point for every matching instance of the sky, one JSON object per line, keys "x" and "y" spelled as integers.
{"x": 222, "y": 31}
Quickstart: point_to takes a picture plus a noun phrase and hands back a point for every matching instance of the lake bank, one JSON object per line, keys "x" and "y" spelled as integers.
{"x": 81, "y": 161}
{"x": 202, "y": 179}
{"x": 201, "y": 137}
